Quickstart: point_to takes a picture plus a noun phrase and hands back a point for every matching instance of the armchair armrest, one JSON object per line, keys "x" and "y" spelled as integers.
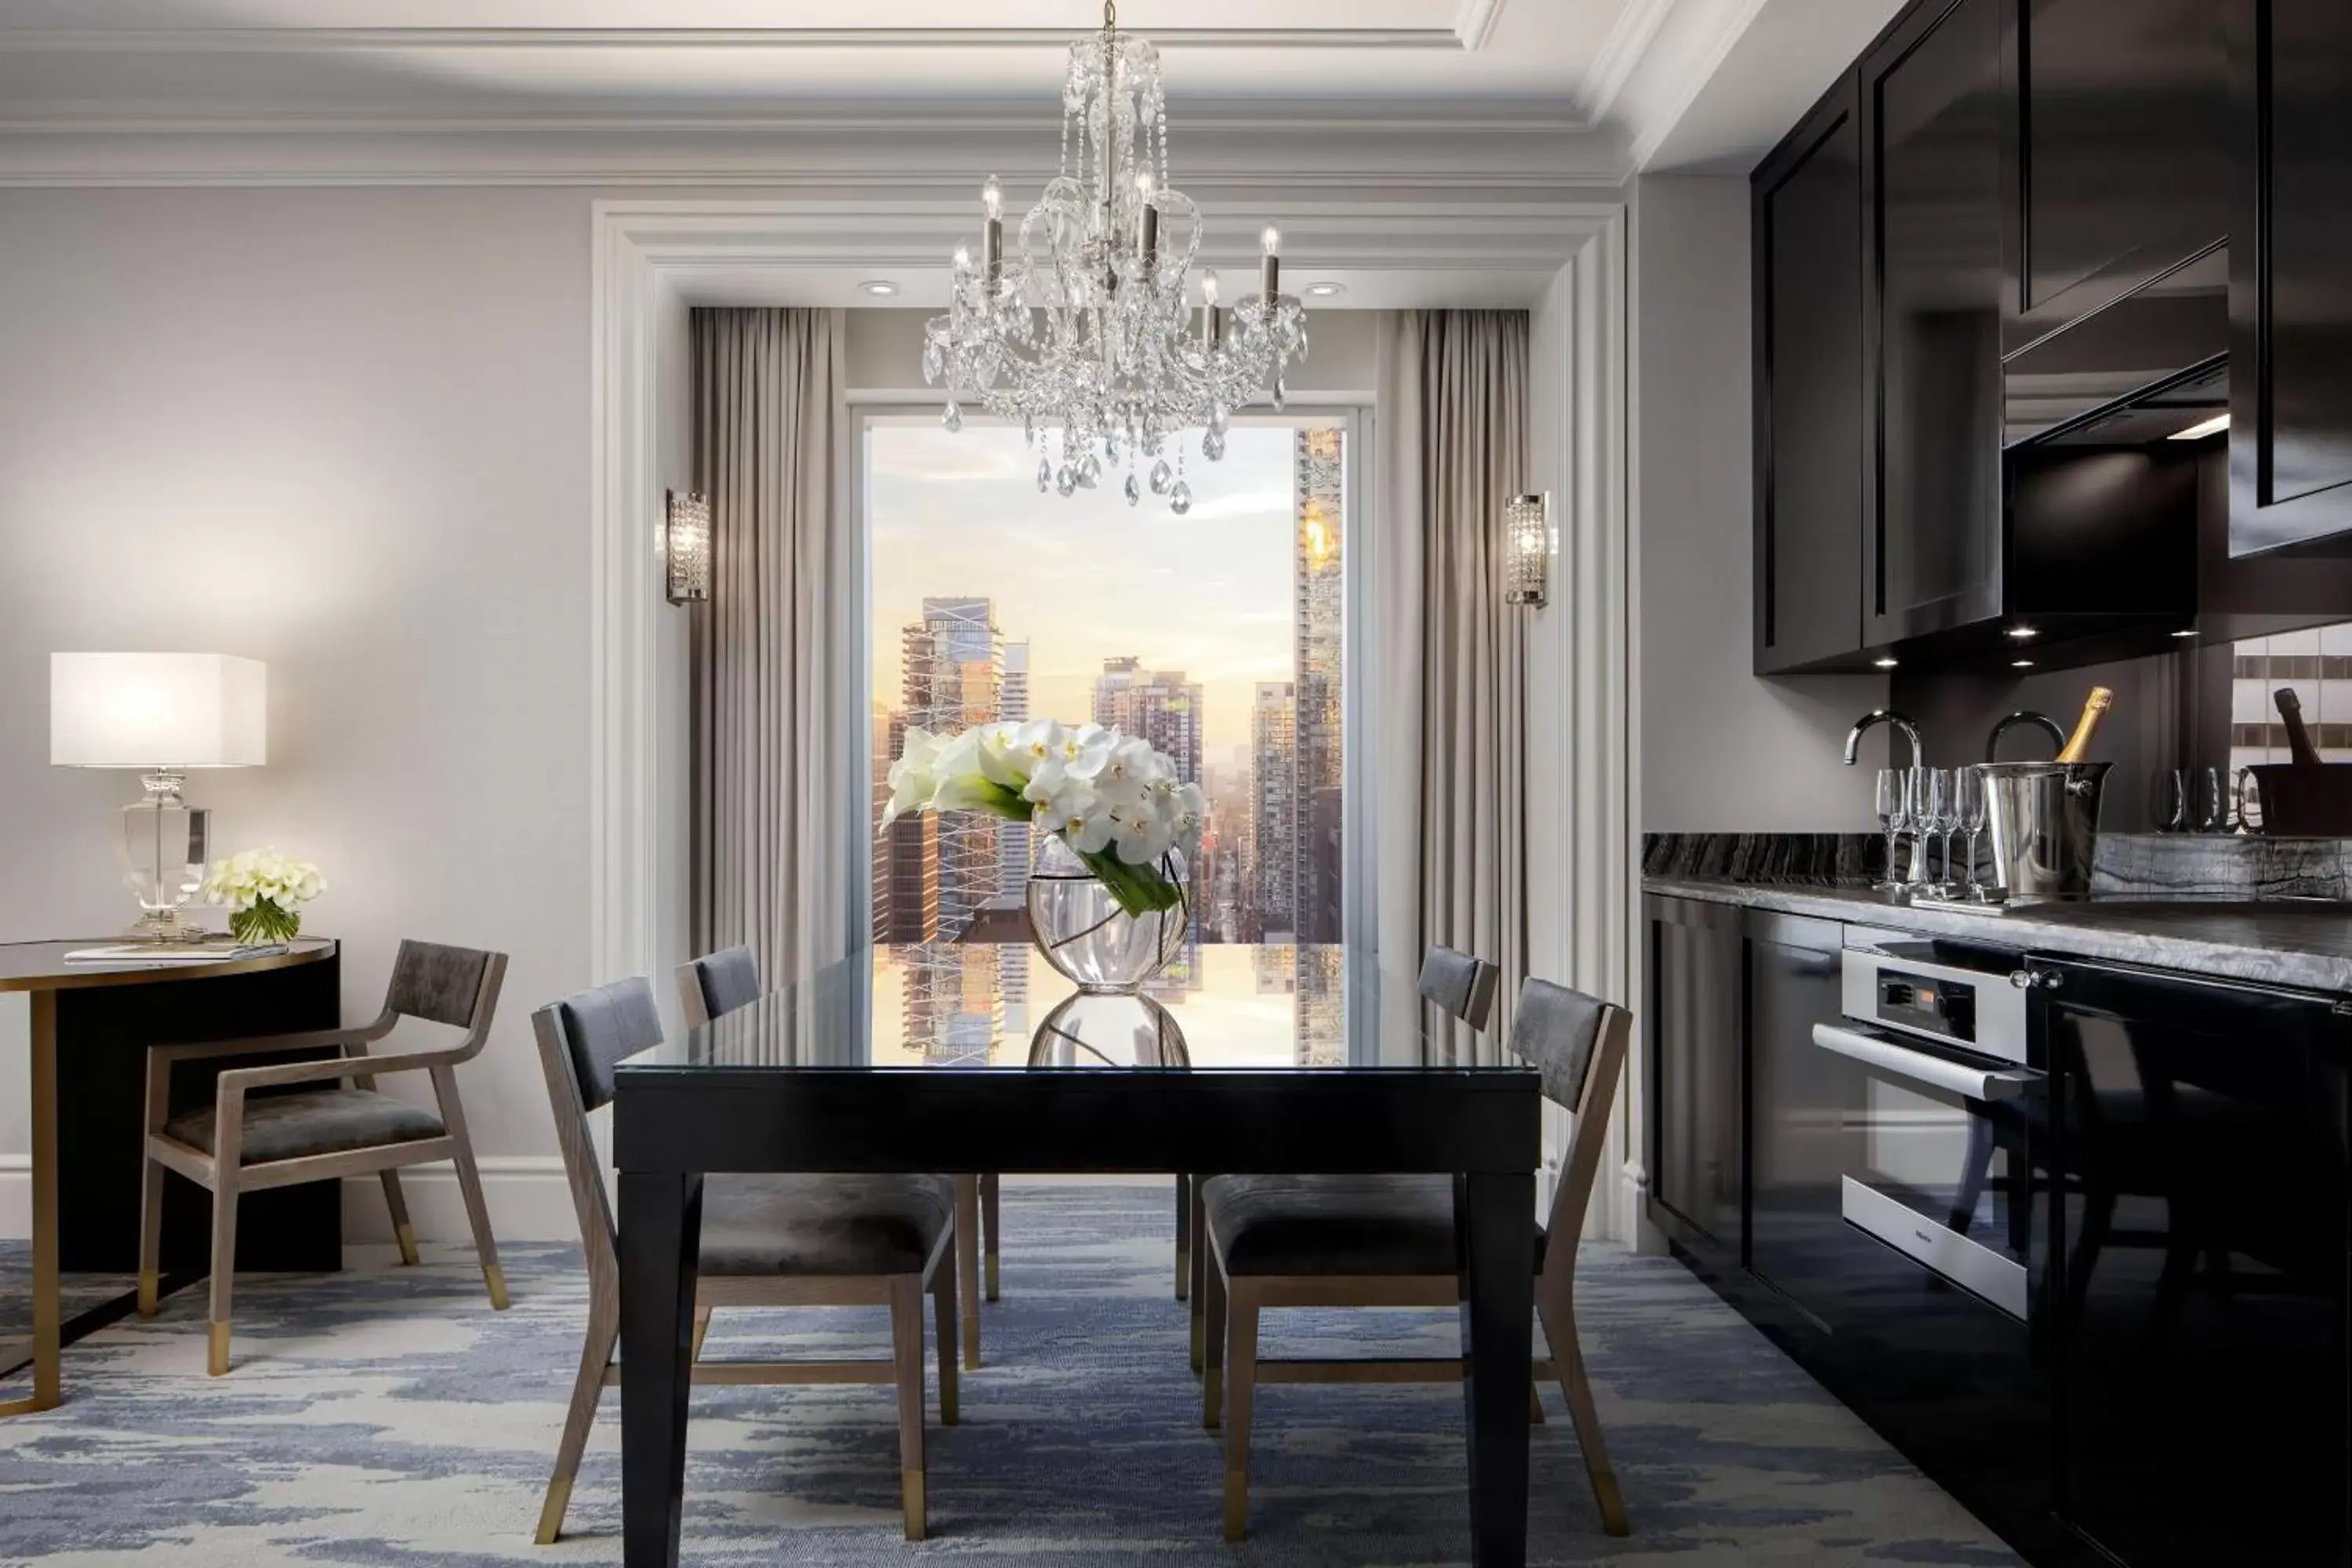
{"x": 363, "y": 1065}
{"x": 257, "y": 1044}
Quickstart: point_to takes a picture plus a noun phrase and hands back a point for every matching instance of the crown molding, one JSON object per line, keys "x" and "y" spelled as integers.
{"x": 1477, "y": 16}
{"x": 1476, "y": 22}
{"x": 862, "y": 149}
{"x": 1692, "y": 69}
{"x": 1630, "y": 38}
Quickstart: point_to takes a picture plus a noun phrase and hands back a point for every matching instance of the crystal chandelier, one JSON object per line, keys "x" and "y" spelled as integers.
{"x": 1087, "y": 335}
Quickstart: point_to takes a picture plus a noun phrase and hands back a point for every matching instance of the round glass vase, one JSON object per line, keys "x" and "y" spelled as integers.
{"x": 1084, "y": 933}
{"x": 264, "y": 924}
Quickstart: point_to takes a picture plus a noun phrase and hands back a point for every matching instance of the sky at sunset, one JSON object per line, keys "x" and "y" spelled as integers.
{"x": 1089, "y": 577}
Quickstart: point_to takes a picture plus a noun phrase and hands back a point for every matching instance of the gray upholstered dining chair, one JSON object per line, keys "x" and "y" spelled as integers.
{"x": 1388, "y": 1241}
{"x": 1463, "y": 986}
{"x": 766, "y": 1241}
{"x": 718, "y": 984}
{"x": 245, "y": 1142}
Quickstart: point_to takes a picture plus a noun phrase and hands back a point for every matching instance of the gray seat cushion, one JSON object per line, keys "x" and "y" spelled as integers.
{"x": 823, "y": 1225}
{"x": 314, "y": 1122}
{"x": 1334, "y": 1225}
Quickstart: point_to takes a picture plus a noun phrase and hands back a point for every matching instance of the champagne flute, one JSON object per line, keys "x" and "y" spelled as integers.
{"x": 1937, "y": 815}
{"x": 1968, "y": 802}
{"x": 1893, "y": 800}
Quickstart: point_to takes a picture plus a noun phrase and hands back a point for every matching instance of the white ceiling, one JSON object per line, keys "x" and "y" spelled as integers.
{"x": 1507, "y": 92}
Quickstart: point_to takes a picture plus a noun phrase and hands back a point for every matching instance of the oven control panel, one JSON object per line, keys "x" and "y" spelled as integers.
{"x": 1978, "y": 1010}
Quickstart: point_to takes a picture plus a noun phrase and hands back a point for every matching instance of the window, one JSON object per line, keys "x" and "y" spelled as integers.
{"x": 2317, "y": 665}
{"x": 1220, "y": 637}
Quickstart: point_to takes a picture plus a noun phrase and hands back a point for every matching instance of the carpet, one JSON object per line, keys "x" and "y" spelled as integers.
{"x": 386, "y": 1416}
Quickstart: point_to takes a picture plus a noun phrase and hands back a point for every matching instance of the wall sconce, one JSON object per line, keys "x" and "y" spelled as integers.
{"x": 1527, "y": 549}
{"x": 685, "y": 546}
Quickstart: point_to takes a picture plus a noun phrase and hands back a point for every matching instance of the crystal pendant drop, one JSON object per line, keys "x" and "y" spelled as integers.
{"x": 1280, "y": 394}
{"x": 1179, "y": 499}
{"x": 1065, "y": 481}
{"x": 933, "y": 363}
{"x": 953, "y": 417}
{"x": 1134, "y": 490}
{"x": 1160, "y": 474}
{"x": 1212, "y": 443}
{"x": 1090, "y": 471}
{"x": 1044, "y": 476}
{"x": 1219, "y": 418}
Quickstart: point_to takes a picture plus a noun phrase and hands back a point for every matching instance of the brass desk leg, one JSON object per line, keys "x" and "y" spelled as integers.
{"x": 48, "y": 1313}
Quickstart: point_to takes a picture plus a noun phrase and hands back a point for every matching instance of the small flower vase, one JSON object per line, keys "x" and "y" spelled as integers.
{"x": 265, "y": 924}
{"x": 1084, "y": 933}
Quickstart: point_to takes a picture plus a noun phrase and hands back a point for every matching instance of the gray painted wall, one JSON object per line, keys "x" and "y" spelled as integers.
{"x": 1721, "y": 749}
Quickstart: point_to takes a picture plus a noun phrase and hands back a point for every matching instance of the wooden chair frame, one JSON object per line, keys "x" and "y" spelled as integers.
{"x": 599, "y": 1238}
{"x": 1233, "y": 1370}
{"x": 221, "y": 1173}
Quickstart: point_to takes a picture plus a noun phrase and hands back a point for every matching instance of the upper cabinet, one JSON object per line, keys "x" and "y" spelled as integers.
{"x": 1931, "y": 176}
{"x": 1807, "y": 213}
{"x": 2291, "y": 283}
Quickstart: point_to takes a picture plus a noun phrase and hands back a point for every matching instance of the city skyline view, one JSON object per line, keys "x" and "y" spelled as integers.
{"x": 1086, "y": 577}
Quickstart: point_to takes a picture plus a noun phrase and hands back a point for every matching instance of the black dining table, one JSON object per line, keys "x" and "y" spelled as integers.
{"x": 959, "y": 1057}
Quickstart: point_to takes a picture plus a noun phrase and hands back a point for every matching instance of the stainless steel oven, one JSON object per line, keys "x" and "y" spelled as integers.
{"x": 1941, "y": 1109}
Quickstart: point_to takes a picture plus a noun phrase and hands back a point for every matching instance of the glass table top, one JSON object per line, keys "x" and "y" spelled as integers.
{"x": 973, "y": 1006}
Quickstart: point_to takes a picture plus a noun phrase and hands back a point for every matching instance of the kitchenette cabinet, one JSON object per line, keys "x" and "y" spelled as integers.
{"x": 1698, "y": 1160}
{"x": 2291, "y": 291}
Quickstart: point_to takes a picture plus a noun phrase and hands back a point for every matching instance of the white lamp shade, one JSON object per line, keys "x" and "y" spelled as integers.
{"x": 158, "y": 711}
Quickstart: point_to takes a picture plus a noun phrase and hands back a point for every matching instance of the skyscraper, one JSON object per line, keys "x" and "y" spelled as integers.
{"x": 1160, "y": 707}
{"x": 1274, "y": 779}
{"x": 955, "y": 679}
{"x": 886, "y": 751}
{"x": 1318, "y": 504}
{"x": 1013, "y": 846}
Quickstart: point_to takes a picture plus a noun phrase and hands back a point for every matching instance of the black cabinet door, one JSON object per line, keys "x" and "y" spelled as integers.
{"x": 2199, "y": 1312}
{"x": 2119, "y": 152}
{"x": 1696, "y": 1154}
{"x": 1807, "y": 237}
{"x": 2290, "y": 287}
{"x": 1797, "y": 1237}
{"x": 1932, "y": 120}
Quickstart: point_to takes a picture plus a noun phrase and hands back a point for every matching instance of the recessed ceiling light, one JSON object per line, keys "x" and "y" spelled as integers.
{"x": 2021, "y": 664}
{"x": 2202, "y": 428}
{"x": 2186, "y": 632}
{"x": 1884, "y": 663}
{"x": 1325, "y": 290}
{"x": 2021, "y": 633}
{"x": 880, "y": 287}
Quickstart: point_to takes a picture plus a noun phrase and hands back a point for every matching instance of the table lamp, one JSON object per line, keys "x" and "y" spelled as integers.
{"x": 162, "y": 713}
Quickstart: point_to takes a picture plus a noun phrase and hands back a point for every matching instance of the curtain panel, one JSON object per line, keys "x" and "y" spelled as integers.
{"x": 1449, "y": 841}
{"x": 772, "y": 650}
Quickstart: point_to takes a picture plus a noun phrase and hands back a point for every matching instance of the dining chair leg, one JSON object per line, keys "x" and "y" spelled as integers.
{"x": 906, "y": 1358}
{"x": 224, "y": 1280}
{"x": 151, "y": 1238}
{"x": 1184, "y": 1236}
{"x": 402, "y": 1231}
{"x": 1535, "y": 1405}
{"x": 991, "y": 1219}
{"x": 944, "y": 1305}
{"x": 967, "y": 1262}
{"x": 1212, "y": 1317}
{"x": 1241, "y": 1381}
{"x": 469, "y": 1184}
{"x": 702, "y": 1331}
{"x": 596, "y": 1360}
{"x": 1568, "y": 1360}
{"x": 1197, "y": 1219}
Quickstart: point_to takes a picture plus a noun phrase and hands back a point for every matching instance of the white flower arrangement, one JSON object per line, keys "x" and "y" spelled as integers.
{"x": 1110, "y": 796}
{"x": 261, "y": 889}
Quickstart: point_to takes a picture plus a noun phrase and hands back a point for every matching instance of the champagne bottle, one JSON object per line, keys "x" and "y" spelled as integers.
{"x": 2078, "y": 745}
{"x": 2300, "y": 749}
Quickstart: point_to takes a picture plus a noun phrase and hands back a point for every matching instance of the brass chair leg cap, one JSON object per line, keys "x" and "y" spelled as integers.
{"x": 550, "y": 1515}
{"x": 216, "y": 1352}
{"x": 910, "y": 1490}
{"x": 498, "y": 1282}
{"x": 406, "y": 1236}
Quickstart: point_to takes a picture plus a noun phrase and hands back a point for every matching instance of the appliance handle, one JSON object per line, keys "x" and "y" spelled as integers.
{"x": 1938, "y": 1072}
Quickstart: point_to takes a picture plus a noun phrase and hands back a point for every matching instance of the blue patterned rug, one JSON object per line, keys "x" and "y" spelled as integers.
{"x": 388, "y": 1416}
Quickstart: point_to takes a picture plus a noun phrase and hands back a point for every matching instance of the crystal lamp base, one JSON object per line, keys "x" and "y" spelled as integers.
{"x": 164, "y": 844}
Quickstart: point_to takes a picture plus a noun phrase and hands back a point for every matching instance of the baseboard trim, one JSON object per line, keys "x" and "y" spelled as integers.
{"x": 528, "y": 1196}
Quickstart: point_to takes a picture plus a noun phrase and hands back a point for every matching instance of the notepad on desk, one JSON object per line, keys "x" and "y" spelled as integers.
{"x": 173, "y": 953}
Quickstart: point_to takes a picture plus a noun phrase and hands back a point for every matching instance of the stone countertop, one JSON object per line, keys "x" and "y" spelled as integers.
{"x": 2307, "y": 946}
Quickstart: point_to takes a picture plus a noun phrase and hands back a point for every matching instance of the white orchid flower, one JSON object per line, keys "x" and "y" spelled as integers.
{"x": 914, "y": 777}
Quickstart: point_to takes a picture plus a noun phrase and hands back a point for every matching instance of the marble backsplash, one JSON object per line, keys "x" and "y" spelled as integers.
{"x": 2128, "y": 864}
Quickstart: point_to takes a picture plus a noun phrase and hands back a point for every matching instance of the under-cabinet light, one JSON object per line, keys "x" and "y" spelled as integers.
{"x": 2202, "y": 428}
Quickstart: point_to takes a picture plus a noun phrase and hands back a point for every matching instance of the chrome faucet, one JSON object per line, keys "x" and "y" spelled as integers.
{"x": 1881, "y": 716}
{"x": 2054, "y": 730}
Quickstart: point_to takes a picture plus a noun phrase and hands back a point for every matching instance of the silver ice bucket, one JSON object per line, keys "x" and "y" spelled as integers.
{"x": 2045, "y": 822}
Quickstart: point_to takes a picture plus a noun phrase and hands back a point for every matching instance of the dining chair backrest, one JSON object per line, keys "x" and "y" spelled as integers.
{"x": 1463, "y": 986}
{"x": 453, "y": 985}
{"x": 581, "y": 1040}
{"x": 716, "y": 983}
{"x": 1577, "y": 1044}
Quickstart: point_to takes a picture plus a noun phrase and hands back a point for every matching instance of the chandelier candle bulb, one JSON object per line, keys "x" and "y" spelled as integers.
{"x": 1269, "y": 283}
{"x": 1147, "y": 220}
{"x": 1212, "y": 330}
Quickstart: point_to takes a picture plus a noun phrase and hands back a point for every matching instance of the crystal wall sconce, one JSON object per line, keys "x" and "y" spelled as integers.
{"x": 685, "y": 546}
{"x": 1527, "y": 550}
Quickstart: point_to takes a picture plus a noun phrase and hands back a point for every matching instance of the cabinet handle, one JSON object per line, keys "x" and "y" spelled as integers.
{"x": 2026, "y": 979}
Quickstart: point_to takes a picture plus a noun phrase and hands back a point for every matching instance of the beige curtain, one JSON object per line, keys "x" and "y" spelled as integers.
{"x": 772, "y": 830}
{"x": 1449, "y": 846}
